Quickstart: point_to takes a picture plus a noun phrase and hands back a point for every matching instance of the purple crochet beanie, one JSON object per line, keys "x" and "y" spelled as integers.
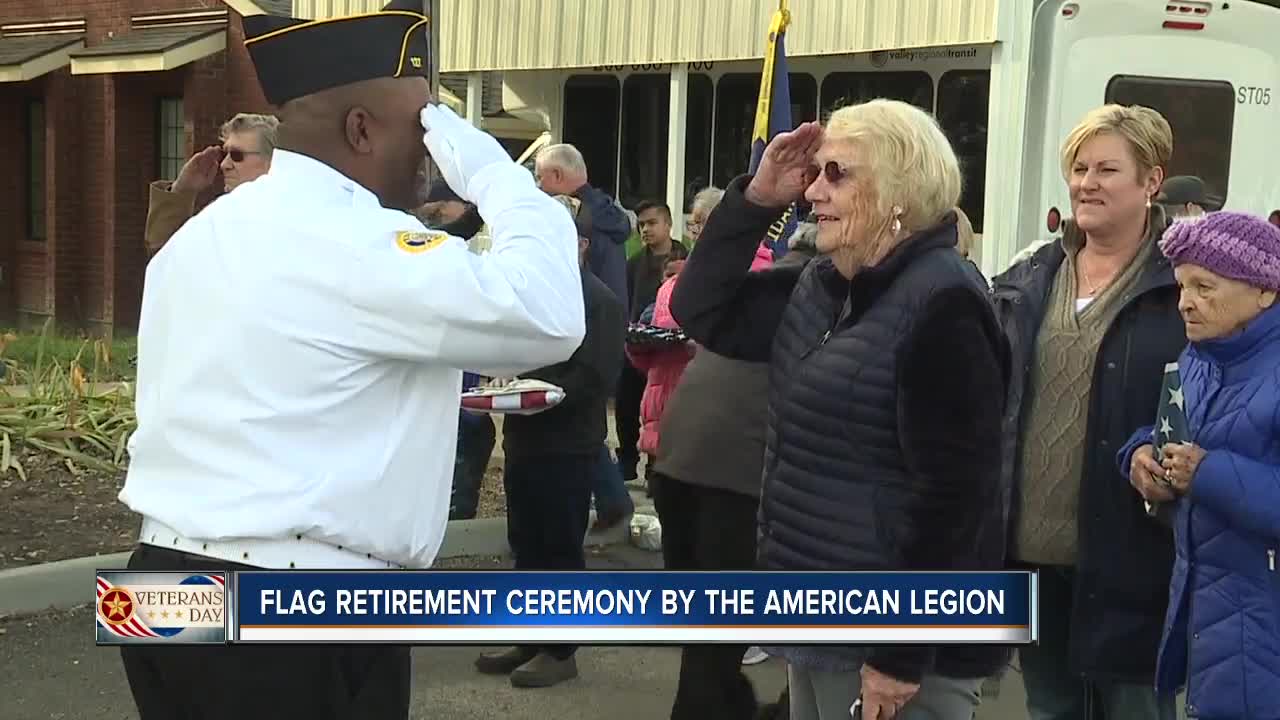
{"x": 1231, "y": 244}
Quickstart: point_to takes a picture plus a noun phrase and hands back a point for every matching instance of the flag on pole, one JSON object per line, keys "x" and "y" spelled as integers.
{"x": 773, "y": 115}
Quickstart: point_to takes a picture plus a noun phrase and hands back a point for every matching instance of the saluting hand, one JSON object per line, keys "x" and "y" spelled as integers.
{"x": 784, "y": 171}
{"x": 459, "y": 150}
{"x": 1147, "y": 477}
{"x": 199, "y": 172}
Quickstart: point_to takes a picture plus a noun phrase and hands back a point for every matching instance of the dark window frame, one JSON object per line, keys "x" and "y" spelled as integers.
{"x": 976, "y": 210}
{"x": 37, "y": 174}
{"x": 721, "y": 161}
{"x": 827, "y": 104}
{"x": 179, "y": 158}
{"x": 1183, "y": 85}
{"x": 607, "y": 182}
{"x": 656, "y": 152}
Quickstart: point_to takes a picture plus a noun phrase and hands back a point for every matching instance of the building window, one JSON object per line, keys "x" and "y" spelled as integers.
{"x": 1201, "y": 114}
{"x": 697, "y": 138}
{"x": 736, "y": 98}
{"x": 646, "y": 108}
{"x": 847, "y": 88}
{"x": 171, "y": 137}
{"x": 962, "y": 113}
{"x": 591, "y": 107}
{"x": 35, "y": 170}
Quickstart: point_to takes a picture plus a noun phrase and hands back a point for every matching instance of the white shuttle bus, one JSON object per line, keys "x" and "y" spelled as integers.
{"x": 1211, "y": 68}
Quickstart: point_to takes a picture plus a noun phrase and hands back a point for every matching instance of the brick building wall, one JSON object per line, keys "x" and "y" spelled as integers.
{"x": 101, "y": 144}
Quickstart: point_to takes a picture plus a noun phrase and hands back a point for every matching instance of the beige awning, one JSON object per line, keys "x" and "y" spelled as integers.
{"x": 652, "y": 34}
{"x": 150, "y": 50}
{"x": 25, "y": 58}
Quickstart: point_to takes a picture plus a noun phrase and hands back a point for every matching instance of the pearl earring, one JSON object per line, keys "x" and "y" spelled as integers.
{"x": 897, "y": 222}
{"x": 1148, "y": 201}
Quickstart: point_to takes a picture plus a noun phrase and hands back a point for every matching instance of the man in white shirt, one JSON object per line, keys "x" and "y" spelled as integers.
{"x": 299, "y": 353}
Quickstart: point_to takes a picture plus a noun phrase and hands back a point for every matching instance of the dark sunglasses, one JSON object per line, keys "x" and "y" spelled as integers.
{"x": 237, "y": 155}
{"x": 831, "y": 170}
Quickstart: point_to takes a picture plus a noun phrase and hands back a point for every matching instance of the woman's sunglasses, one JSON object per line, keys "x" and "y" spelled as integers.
{"x": 831, "y": 170}
{"x": 237, "y": 155}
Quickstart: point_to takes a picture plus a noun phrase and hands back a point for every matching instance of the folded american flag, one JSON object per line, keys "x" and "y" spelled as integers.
{"x": 639, "y": 334}
{"x": 521, "y": 397}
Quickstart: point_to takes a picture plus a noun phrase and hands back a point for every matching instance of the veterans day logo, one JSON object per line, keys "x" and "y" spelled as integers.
{"x": 151, "y": 607}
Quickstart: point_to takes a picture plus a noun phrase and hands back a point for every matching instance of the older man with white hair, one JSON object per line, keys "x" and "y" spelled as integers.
{"x": 560, "y": 170}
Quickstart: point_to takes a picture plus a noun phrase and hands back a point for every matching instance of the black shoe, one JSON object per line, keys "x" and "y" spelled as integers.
{"x": 505, "y": 662}
{"x": 544, "y": 671}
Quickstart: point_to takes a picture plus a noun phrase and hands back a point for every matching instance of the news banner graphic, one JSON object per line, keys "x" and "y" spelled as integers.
{"x": 584, "y": 608}
{"x": 161, "y": 607}
{"x": 643, "y": 608}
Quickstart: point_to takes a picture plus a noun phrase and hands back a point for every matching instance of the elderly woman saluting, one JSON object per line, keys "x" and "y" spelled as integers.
{"x": 1222, "y": 632}
{"x": 885, "y": 387}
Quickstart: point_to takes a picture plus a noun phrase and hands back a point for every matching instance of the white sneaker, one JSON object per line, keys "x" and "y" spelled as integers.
{"x": 754, "y": 656}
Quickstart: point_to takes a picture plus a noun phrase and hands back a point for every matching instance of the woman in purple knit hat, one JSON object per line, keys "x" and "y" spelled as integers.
{"x": 1222, "y": 632}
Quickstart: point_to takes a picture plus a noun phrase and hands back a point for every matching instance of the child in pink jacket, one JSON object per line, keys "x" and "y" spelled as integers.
{"x": 664, "y": 365}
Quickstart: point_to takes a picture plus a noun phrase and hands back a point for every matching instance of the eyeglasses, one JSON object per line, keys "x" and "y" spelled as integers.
{"x": 237, "y": 155}
{"x": 831, "y": 170}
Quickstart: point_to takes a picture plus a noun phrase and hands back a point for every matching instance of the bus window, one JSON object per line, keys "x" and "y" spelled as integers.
{"x": 591, "y": 124}
{"x": 736, "y": 97}
{"x": 697, "y": 137}
{"x": 962, "y": 113}
{"x": 846, "y": 88}
{"x": 1201, "y": 114}
{"x": 646, "y": 106}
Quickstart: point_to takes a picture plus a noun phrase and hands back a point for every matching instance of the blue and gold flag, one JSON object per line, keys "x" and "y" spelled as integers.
{"x": 773, "y": 115}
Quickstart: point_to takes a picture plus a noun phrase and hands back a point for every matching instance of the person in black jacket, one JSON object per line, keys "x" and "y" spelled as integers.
{"x": 886, "y": 385}
{"x": 1092, "y": 319}
{"x": 551, "y": 459}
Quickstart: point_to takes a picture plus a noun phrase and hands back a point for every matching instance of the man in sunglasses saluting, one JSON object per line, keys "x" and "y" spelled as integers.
{"x": 248, "y": 140}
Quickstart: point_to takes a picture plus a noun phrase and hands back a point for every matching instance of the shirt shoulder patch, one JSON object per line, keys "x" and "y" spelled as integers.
{"x": 420, "y": 242}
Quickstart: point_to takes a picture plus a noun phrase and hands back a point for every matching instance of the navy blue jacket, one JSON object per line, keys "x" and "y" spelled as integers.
{"x": 882, "y": 449}
{"x": 610, "y": 228}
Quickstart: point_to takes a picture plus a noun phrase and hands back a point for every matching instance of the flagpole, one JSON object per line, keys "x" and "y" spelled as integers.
{"x": 777, "y": 26}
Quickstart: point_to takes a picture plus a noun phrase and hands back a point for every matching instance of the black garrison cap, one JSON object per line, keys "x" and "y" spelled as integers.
{"x": 295, "y": 57}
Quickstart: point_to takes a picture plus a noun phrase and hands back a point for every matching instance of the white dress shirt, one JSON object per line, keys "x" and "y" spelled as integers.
{"x": 298, "y": 359}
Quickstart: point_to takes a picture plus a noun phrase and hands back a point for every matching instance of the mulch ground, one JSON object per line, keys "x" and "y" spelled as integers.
{"x": 55, "y": 514}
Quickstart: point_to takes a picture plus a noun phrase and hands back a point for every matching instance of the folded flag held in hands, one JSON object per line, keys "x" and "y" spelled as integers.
{"x": 520, "y": 397}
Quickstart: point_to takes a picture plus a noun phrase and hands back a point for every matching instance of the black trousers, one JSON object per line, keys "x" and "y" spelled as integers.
{"x": 476, "y": 437}
{"x": 626, "y": 417}
{"x": 708, "y": 529}
{"x": 270, "y": 682}
{"x": 548, "y": 509}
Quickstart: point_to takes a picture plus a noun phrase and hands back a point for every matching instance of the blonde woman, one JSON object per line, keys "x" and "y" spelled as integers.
{"x": 876, "y": 349}
{"x": 1092, "y": 319}
{"x": 703, "y": 203}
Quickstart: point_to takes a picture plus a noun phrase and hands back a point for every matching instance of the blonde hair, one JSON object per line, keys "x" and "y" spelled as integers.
{"x": 264, "y": 125}
{"x": 964, "y": 233}
{"x": 707, "y": 199}
{"x": 1144, "y": 130}
{"x": 911, "y": 161}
